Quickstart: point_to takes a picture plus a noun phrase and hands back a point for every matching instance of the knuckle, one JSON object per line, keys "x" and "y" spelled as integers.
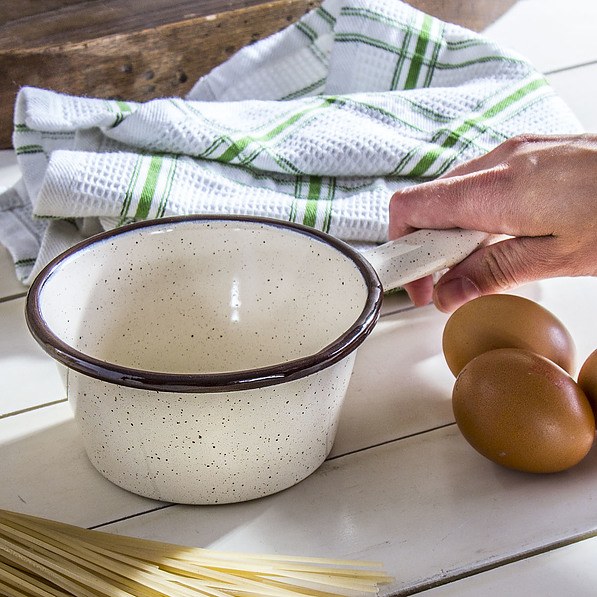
{"x": 501, "y": 268}
{"x": 399, "y": 215}
{"x": 523, "y": 141}
{"x": 515, "y": 144}
{"x": 523, "y": 152}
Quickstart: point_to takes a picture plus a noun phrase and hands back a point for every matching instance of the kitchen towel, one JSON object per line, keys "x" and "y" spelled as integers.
{"x": 318, "y": 124}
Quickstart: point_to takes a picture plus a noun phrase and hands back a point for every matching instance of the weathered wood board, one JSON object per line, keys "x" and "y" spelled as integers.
{"x": 136, "y": 50}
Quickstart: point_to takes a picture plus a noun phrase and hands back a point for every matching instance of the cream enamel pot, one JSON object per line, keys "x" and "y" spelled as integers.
{"x": 208, "y": 357}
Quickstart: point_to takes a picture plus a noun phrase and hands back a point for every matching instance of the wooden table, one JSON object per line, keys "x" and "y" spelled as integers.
{"x": 401, "y": 485}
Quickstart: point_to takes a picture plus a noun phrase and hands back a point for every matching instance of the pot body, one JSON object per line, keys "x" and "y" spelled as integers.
{"x": 207, "y": 357}
{"x": 210, "y": 448}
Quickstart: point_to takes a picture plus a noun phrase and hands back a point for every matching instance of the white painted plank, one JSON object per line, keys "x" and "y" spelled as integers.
{"x": 550, "y": 33}
{"x": 578, "y": 88}
{"x": 570, "y": 570}
{"x": 573, "y": 301}
{"x": 28, "y": 376}
{"x": 44, "y": 471}
{"x": 401, "y": 384}
{"x": 9, "y": 284}
{"x": 9, "y": 174}
{"x": 9, "y": 169}
{"x": 428, "y": 507}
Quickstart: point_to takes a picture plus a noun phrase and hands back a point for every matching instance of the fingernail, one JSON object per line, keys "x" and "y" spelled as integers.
{"x": 453, "y": 293}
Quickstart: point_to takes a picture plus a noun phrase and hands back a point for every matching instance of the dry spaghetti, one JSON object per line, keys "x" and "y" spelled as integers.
{"x": 43, "y": 558}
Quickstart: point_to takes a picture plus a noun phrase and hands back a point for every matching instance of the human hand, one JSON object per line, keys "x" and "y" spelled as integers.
{"x": 542, "y": 191}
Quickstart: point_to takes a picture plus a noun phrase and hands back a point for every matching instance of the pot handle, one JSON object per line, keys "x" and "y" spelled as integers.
{"x": 421, "y": 253}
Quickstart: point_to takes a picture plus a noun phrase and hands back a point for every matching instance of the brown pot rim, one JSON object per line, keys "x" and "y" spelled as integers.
{"x": 113, "y": 373}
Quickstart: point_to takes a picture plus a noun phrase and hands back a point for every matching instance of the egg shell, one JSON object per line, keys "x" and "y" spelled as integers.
{"x": 522, "y": 411}
{"x": 587, "y": 379}
{"x": 505, "y": 321}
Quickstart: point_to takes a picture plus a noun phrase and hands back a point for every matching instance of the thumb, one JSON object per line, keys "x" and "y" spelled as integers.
{"x": 497, "y": 268}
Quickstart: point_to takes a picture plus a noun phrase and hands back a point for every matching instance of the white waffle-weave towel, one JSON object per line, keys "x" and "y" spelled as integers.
{"x": 317, "y": 124}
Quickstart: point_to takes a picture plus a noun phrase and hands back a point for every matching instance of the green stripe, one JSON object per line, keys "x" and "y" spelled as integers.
{"x": 238, "y": 146}
{"x": 149, "y": 187}
{"x": 408, "y": 29}
{"x": 29, "y": 149}
{"x": 126, "y": 202}
{"x": 326, "y": 16}
{"x": 327, "y": 219}
{"x": 293, "y": 183}
{"x": 402, "y": 56}
{"x": 514, "y": 97}
{"x": 367, "y": 108}
{"x": 23, "y": 128}
{"x": 25, "y": 262}
{"x": 221, "y": 126}
{"x": 306, "y": 30}
{"x": 500, "y": 136}
{"x": 357, "y": 37}
{"x": 72, "y": 221}
{"x": 124, "y": 107}
{"x": 417, "y": 59}
{"x": 169, "y": 181}
{"x": 305, "y": 90}
{"x": 436, "y": 49}
{"x": 464, "y": 44}
{"x": 298, "y": 183}
{"x": 283, "y": 162}
{"x": 374, "y": 16}
{"x": 480, "y": 60}
{"x": 365, "y": 39}
{"x": 313, "y": 195}
{"x": 454, "y": 136}
{"x": 398, "y": 170}
{"x": 285, "y": 165}
{"x": 214, "y": 146}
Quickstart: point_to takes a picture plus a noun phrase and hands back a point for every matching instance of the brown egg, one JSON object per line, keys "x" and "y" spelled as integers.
{"x": 587, "y": 379}
{"x": 505, "y": 321}
{"x": 522, "y": 411}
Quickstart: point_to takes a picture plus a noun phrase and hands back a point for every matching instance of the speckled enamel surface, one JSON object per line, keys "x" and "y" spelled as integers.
{"x": 232, "y": 297}
{"x": 210, "y": 448}
{"x": 209, "y": 297}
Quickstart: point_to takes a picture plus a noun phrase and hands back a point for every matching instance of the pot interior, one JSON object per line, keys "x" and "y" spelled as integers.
{"x": 203, "y": 296}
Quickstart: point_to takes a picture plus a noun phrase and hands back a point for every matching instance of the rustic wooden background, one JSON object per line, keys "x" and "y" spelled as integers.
{"x": 135, "y": 50}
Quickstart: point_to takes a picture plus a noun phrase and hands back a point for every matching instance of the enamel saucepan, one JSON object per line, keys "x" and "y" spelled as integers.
{"x": 208, "y": 357}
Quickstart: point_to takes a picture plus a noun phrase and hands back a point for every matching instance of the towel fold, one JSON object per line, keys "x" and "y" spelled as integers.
{"x": 318, "y": 124}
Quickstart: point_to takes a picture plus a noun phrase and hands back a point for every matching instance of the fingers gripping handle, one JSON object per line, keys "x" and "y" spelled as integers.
{"x": 422, "y": 253}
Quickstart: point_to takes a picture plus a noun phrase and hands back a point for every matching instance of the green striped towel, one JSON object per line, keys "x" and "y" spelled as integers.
{"x": 317, "y": 124}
